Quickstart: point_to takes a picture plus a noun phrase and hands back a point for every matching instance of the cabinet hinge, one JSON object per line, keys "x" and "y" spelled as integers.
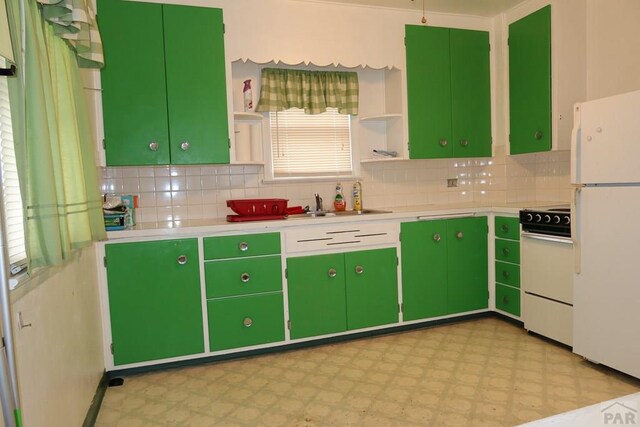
{"x": 489, "y": 47}
{"x": 397, "y": 260}
{"x": 224, "y": 28}
{"x": 405, "y": 41}
{"x": 289, "y": 324}
{"x": 104, "y": 261}
{"x": 286, "y": 273}
{"x": 229, "y": 142}
{"x": 104, "y": 144}
{"x": 111, "y": 348}
{"x": 400, "y": 237}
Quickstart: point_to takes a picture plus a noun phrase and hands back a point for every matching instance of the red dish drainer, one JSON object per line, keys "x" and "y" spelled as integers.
{"x": 257, "y": 209}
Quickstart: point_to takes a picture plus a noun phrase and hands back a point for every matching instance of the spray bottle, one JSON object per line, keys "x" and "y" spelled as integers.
{"x": 248, "y": 96}
{"x": 339, "y": 203}
{"x": 357, "y": 196}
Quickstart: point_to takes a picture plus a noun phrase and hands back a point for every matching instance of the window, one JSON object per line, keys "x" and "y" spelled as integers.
{"x": 310, "y": 145}
{"x": 13, "y": 212}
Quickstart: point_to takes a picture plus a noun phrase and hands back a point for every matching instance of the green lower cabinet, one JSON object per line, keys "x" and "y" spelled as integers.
{"x": 338, "y": 292}
{"x": 371, "y": 288}
{"x": 245, "y": 321}
{"x": 467, "y": 263}
{"x": 317, "y": 301}
{"x": 507, "y": 250}
{"x": 509, "y": 274}
{"x": 444, "y": 267}
{"x": 508, "y": 299}
{"x": 155, "y": 301}
{"x": 424, "y": 269}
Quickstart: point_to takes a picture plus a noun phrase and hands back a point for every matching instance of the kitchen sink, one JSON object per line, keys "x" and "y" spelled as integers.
{"x": 347, "y": 213}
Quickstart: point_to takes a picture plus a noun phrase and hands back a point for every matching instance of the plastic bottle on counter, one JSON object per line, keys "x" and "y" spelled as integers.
{"x": 339, "y": 203}
{"x": 357, "y": 196}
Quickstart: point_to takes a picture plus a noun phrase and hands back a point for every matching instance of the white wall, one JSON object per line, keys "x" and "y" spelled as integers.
{"x": 59, "y": 356}
{"x": 613, "y": 47}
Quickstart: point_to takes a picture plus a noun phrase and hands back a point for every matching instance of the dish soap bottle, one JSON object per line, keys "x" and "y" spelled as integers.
{"x": 357, "y": 196}
{"x": 339, "y": 204}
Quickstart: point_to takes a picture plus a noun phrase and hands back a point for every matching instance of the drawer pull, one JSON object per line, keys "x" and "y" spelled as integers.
{"x": 359, "y": 269}
{"x": 244, "y": 277}
{"x": 505, "y": 251}
{"x": 437, "y": 237}
{"x": 247, "y": 322}
{"x": 505, "y": 228}
{"x": 244, "y": 246}
{"x": 464, "y": 142}
{"x": 332, "y": 272}
{"x": 185, "y": 146}
{"x": 153, "y": 146}
{"x": 443, "y": 142}
{"x": 505, "y": 299}
{"x": 505, "y": 274}
{"x": 537, "y": 135}
{"x": 459, "y": 235}
{"x": 182, "y": 259}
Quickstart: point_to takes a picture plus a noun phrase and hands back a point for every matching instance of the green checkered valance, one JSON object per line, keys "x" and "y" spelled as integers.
{"x": 75, "y": 22}
{"x": 312, "y": 91}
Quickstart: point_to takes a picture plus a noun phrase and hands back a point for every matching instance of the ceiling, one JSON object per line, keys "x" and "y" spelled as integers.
{"x": 488, "y": 8}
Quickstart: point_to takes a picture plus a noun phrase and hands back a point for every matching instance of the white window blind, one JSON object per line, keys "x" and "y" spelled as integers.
{"x": 310, "y": 145}
{"x": 13, "y": 213}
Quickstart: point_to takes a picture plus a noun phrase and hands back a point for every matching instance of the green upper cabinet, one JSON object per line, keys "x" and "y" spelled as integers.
{"x": 155, "y": 303}
{"x": 530, "y": 83}
{"x": 449, "y": 96}
{"x": 163, "y": 85}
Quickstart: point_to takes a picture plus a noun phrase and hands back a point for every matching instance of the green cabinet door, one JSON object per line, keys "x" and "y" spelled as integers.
{"x": 530, "y": 83}
{"x": 196, "y": 85}
{"x": 244, "y": 321}
{"x": 467, "y": 264}
{"x": 428, "y": 91}
{"x": 424, "y": 269}
{"x": 134, "y": 100}
{"x": 154, "y": 300}
{"x": 470, "y": 93}
{"x": 448, "y": 92}
{"x": 316, "y": 287}
{"x": 371, "y": 288}
{"x": 164, "y": 86}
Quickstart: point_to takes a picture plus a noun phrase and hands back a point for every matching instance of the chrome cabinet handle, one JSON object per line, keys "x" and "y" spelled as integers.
{"x": 538, "y": 135}
{"x": 244, "y": 246}
{"x": 459, "y": 235}
{"x": 332, "y": 272}
{"x": 505, "y": 227}
{"x": 153, "y": 146}
{"x": 244, "y": 277}
{"x": 443, "y": 142}
{"x": 464, "y": 142}
{"x": 247, "y": 322}
{"x": 359, "y": 269}
{"x": 437, "y": 237}
{"x": 505, "y": 300}
{"x": 505, "y": 251}
{"x": 182, "y": 259}
{"x": 185, "y": 146}
{"x": 505, "y": 274}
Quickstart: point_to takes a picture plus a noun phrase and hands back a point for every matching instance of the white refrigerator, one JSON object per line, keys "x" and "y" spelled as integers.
{"x": 605, "y": 173}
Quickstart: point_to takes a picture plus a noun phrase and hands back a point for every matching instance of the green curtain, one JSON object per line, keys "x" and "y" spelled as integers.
{"x": 56, "y": 167}
{"x": 74, "y": 21}
{"x": 312, "y": 91}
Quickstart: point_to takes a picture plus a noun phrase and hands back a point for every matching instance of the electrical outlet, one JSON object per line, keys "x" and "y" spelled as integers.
{"x": 452, "y": 182}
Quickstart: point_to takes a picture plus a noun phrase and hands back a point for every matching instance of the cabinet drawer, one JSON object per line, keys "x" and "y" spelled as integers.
{"x": 508, "y": 299}
{"x": 507, "y": 250}
{"x": 244, "y": 321}
{"x": 508, "y": 274}
{"x": 507, "y": 228}
{"x": 241, "y": 246}
{"x": 243, "y": 276}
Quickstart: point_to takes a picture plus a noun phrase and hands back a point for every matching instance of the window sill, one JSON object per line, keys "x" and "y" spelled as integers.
{"x": 311, "y": 179}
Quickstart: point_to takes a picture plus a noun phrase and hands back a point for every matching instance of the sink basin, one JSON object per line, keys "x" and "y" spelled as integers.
{"x": 347, "y": 213}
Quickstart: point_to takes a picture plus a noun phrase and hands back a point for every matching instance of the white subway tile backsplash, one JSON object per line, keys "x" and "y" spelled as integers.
{"x": 163, "y": 183}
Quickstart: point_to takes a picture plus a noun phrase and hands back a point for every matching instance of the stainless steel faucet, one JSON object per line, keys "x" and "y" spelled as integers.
{"x": 318, "y": 202}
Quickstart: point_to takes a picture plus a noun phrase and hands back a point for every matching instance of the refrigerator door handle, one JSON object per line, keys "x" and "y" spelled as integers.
{"x": 575, "y": 134}
{"x": 575, "y": 232}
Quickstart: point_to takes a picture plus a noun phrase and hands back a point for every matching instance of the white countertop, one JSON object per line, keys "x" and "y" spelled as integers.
{"x": 195, "y": 227}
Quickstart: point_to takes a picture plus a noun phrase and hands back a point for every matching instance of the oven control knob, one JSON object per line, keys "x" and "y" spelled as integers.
{"x": 567, "y": 219}
{"x": 538, "y": 217}
{"x": 547, "y": 219}
{"x": 529, "y": 217}
{"x": 556, "y": 219}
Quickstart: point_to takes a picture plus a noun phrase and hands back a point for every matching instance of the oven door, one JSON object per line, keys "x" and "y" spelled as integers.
{"x": 547, "y": 282}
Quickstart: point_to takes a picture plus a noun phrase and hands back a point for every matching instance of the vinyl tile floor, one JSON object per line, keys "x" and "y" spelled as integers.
{"x": 485, "y": 372}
